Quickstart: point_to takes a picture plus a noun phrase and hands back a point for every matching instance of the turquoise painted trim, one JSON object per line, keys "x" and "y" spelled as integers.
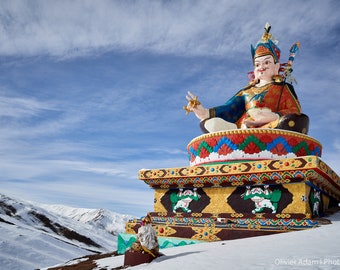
{"x": 125, "y": 241}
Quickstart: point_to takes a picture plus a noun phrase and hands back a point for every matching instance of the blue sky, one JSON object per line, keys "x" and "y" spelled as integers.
{"x": 92, "y": 91}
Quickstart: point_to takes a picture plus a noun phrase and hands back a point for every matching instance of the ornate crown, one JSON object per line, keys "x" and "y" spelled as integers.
{"x": 266, "y": 46}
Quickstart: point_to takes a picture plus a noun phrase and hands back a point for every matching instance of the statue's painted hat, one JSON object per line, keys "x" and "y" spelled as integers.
{"x": 266, "y": 46}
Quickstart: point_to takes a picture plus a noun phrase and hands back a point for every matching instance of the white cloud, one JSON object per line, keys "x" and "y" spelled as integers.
{"x": 68, "y": 28}
{"x": 22, "y": 118}
{"x": 39, "y": 129}
{"x": 21, "y": 107}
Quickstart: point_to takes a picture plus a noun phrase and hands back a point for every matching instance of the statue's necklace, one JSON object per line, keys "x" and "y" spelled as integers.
{"x": 259, "y": 89}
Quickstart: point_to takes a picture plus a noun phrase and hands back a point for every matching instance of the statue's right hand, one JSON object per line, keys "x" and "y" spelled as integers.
{"x": 195, "y": 106}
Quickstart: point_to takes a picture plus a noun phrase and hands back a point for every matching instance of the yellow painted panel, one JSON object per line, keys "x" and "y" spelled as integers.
{"x": 159, "y": 193}
{"x": 218, "y": 200}
{"x": 300, "y": 204}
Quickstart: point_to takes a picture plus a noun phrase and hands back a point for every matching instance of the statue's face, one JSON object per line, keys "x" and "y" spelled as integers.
{"x": 265, "y": 68}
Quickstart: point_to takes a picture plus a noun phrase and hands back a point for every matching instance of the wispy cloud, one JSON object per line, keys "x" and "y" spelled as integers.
{"x": 66, "y": 28}
{"x": 20, "y": 107}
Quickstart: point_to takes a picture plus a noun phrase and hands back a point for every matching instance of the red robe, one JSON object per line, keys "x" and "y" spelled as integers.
{"x": 280, "y": 98}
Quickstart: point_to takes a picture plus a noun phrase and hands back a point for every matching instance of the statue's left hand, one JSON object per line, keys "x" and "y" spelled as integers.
{"x": 260, "y": 116}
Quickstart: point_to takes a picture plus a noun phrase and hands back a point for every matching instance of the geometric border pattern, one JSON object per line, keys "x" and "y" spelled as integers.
{"x": 250, "y": 144}
{"x": 309, "y": 168}
{"x": 210, "y": 230}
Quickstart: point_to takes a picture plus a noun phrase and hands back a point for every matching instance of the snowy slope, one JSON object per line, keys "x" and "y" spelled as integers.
{"x": 309, "y": 249}
{"x": 33, "y": 236}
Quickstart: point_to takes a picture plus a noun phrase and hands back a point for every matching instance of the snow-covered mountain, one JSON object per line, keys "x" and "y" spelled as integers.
{"x": 99, "y": 218}
{"x": 35, "y": 235}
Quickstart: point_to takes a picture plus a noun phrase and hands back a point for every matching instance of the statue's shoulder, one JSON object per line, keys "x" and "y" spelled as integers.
{"x": 290, "y": 88}
{"x": 245, "y": 89}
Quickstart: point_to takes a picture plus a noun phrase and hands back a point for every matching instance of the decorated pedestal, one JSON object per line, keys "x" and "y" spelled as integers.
{"x": 250, "y": 144}
{"x": 242, "y": 183}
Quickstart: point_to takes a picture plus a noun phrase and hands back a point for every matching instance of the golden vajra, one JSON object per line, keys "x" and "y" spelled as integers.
{"x": 193, "y": 103}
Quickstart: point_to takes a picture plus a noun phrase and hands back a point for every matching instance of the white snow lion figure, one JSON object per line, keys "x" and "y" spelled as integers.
{"x": 316, "y": 200}
{"x": 263, "y": 198}
{"x": 182, "y": 199}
